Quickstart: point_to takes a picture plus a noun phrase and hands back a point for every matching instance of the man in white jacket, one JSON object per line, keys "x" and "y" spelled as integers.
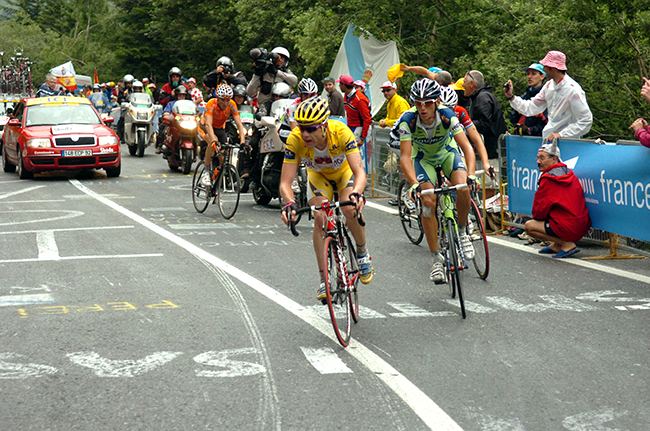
{"x": 569, "y": 115}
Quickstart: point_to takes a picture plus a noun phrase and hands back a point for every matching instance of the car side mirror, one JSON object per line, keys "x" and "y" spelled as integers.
{"x": 13, "y": 122}
{"x": 109, "y": 120}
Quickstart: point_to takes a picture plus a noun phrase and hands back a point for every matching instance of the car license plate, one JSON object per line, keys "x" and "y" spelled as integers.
{"x": 77, "y": 153}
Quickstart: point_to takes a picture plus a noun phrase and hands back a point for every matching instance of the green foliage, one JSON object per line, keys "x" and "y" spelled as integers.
{"x": 607, "y": 42}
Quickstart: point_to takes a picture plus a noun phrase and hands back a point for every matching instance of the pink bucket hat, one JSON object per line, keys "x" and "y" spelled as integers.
{"x": 555, "y": 59}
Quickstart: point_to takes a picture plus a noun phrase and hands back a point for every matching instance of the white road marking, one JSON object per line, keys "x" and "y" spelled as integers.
{"x": 325, "y": 360}
{"x": 17, "y": 192}
{"x": 30, "y": 299}
{"x": 164, "y": 209}
{"x": 47, "y": 249}
{"x": 229, "y": 367}
{"x": 109, "y": 256}
{"x": 383, "y": 208}
{"x": 553, "y": 302}
{"x": 104, "y": 367}
{"x": 12, "y": 370}
{"x": 38, "y": 201}
{"x": 364, "y": 312}
{"x": 67, "y": 229}
{"x": 410, "y": 310}
{"x": 593, "y": 420}
{"x": 423, "y": 406}
{"x": 471, "y": 306}
{"x": 193, "y": 226}
{"x": 68, "y": 214}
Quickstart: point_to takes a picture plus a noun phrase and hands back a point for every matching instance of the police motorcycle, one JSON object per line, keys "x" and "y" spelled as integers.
{"x": 138, "y": 121}
{"x": 181, "y": 138}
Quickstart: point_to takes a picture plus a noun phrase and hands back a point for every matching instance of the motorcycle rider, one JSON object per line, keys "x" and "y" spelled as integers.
{"x": 217, "y": 112}
{"x": 239, "y": 95}
{"x": 175, "y": 76}
{"x": 99, "y": 99}
{"x": 123, "y": 96}
{"x": 280, "y": 90}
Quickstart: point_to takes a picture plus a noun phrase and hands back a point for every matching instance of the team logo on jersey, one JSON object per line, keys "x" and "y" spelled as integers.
{"x": 289, "y": 155}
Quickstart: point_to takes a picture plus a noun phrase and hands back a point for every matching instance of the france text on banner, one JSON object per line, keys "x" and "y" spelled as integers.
{"x": 65, "y": 75}
{"x": 614, "y": 180}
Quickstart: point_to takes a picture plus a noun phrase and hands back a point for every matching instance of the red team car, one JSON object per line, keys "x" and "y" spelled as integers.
{"x": 59, "y": 132}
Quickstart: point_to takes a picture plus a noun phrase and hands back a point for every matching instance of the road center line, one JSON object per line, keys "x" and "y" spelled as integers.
{"x": 430, "y": 413}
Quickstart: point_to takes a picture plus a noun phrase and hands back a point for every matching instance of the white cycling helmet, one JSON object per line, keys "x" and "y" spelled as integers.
{"x": 448, "y": 97}
{"x": 281, "y": 51}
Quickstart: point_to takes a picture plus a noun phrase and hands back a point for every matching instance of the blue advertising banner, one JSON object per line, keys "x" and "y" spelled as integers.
{"x": 615, "y": 180}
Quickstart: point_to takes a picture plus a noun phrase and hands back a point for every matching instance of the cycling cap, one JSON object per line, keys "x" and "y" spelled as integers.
{"x": 281, "y": 51}
{"x": 224, "y": 91}
{"x": 312, "y": 111}
{"x": 307, "y": 85}
{"x": 448, "y": 97}
{"x": 425, "y": 89}
{"x": 281, "y": 89}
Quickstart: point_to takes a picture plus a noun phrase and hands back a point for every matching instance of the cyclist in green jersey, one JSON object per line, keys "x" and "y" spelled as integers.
{"x": 430, "y": 135}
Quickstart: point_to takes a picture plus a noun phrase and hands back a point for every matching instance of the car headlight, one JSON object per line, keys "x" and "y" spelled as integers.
{"x": 39, "y": 143}
{"x": 107, "y": 140}
{"x": 188, "y": 124}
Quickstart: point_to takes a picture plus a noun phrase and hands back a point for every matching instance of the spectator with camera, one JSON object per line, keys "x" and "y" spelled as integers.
{"x": 530, "y": 125}
{"x": 224, "y": 74}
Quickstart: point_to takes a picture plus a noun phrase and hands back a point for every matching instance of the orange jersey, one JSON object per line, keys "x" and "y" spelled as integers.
{"x": 219, "y": 116}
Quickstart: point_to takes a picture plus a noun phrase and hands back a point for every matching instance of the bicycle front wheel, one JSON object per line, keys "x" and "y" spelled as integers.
{"x": 455, "y": 262}
{"x": 409, "y": 215}
{"x": 200, "y": 193}
{"x": 353, "y": 275}
{"x": 337, "y": 294}
{"x": 228, "y": 191}
{"x": 476, "y": 231}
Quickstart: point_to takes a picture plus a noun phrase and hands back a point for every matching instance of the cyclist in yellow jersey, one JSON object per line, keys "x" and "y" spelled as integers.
{"x": 329, "y": 151}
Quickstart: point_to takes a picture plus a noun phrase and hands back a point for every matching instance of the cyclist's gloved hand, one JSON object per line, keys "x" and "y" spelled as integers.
{"x": 414, "y": 190}
{"x": 287, "y": 211}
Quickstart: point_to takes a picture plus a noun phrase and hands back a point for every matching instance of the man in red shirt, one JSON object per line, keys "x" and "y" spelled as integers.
{"x": 559, "y": 211}
{"x": 357, "y": 109}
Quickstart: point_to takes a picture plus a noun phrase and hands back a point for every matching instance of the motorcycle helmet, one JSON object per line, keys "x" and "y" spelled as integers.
{"x": 224, "y": 91}
{"x": 307, "y": 86}
{"x": 97, "y": 87}
{"x": 239, "y": 90}
{"x": 138, "y": 87}
{"x": 226, "y": 62}
{"x": 312, "y": 111}
{"x": 174, "y": 71}
{"x": 281, "y": 51}
{"x": 181, "y": 90}
{"x": 128, "y": 79}
{"x": 281, "y": 89}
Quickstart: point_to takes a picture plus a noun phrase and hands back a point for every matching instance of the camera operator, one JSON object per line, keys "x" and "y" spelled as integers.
{"x": 269, "y": 67}
{"x": 223, "y": 74}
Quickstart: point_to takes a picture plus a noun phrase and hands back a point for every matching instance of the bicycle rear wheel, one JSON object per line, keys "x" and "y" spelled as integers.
{"x": 337, "y": 296}
{"x": 200, "y": 193}
{"x": 228, "y": 191}
{"x": 410, "y": 217}
{"x": 476, "y": 231}
{"x": 455, "y": 261}
{"x": 353, "y": 275}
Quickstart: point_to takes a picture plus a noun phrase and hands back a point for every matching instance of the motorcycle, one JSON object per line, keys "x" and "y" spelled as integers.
{"x": 181, "y": 138}
{"x": 272, "y": 147}
{"x": 138, "y": 122}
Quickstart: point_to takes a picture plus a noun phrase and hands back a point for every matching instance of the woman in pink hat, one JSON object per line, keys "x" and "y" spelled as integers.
{"x": 569, "y": 115}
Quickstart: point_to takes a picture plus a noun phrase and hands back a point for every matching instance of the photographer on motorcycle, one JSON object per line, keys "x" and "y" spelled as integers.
{"x": 223, "y": 74}
{"x": 123, "y": 96}
{"x": 280, "y": 90}
{"x": 99, "y": 100}
{"x": 269, "y": 69}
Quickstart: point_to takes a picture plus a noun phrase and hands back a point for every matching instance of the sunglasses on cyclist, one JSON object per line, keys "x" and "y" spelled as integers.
{"x": 310, "y": 129}
{"x": 426, "y": 103}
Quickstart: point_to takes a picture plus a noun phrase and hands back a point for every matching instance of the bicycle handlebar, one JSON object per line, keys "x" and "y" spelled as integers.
{"x": 444, "y": 189}
{"x": 339, "y": 204}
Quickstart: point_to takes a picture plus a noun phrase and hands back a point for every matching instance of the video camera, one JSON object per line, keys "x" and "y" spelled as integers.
{"x": 262, "y": 59}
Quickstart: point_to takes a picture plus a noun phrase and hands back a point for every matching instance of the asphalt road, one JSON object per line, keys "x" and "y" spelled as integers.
{"x": 123, "y": 308}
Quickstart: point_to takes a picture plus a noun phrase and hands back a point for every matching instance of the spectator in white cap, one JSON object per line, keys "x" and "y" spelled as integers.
{"x": 569, "y": 115}
{"x": 560, "y": 214}
{"x": 396, "y": 104}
